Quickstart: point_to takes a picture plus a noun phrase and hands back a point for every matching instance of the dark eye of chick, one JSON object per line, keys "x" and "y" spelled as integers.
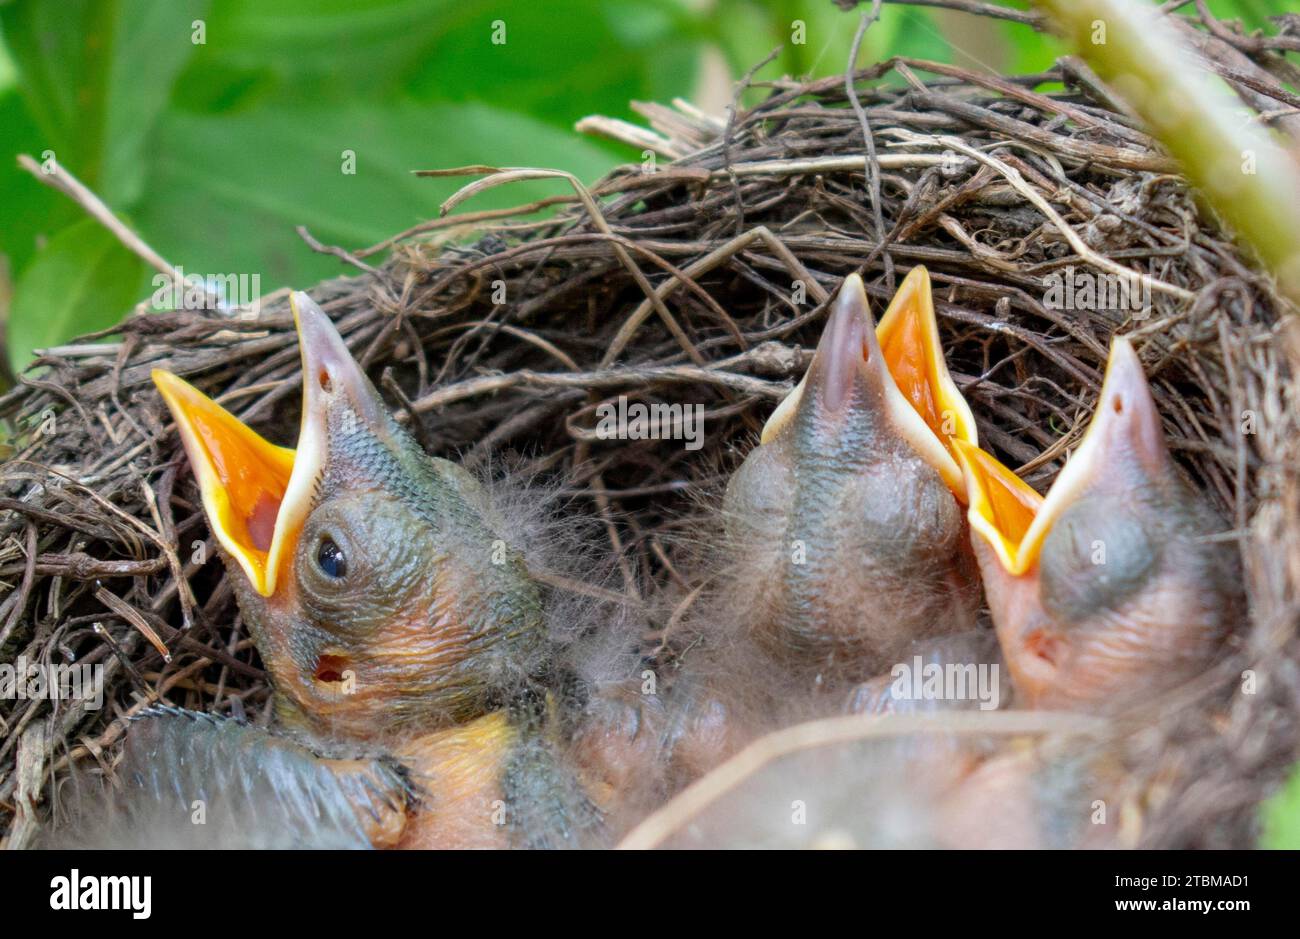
{"x": 330, "y": 559}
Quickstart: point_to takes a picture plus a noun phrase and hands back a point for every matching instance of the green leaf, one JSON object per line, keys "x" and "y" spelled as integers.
{"x": 746, "y": 34}
{"x": 227, "y": 191}
{"x": 95, "y": 76}
{"x": 558, "y": 60}
{"x": 83, "y": 280}
{"x": 8, "y": 71}
{"x": 1280, "y": 816}
{"x": 152, "y": 40}
{"x": 55, "y": 58}
{"x": 1253, "y": 14}
{"x": 814, "y": 37}
{"x": 322, "y": 48}
{"x": 563, "y": 59}
{"x": 919, "y": 36}
{"x": 32, "y": 212}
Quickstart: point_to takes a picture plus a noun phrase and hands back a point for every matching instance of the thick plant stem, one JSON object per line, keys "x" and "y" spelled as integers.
{"x": 1241, "y": 167}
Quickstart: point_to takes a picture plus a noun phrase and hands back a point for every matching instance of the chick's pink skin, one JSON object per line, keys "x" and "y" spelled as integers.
{"x": 1131, "y": 594}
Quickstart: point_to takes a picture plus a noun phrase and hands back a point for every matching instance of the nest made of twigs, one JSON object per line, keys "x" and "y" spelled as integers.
{"x": 703, "y": 279}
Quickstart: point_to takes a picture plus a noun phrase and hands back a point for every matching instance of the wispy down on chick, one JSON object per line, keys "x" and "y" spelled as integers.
{"x": 844, "y": 525}
{"x": 392, "y": 611}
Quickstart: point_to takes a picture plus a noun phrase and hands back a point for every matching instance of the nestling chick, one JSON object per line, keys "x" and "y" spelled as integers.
{"x": 928, "y": 772}
{"x": 388, "y": 606}
{"x": 371, "y": 575}
{"x": 1112, "y": 588}
{"x": 843, "y": 543}
{"x": 846, "y": 536}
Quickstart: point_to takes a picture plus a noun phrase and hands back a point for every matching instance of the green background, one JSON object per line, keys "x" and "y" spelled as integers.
{"x": 215, "y": 150}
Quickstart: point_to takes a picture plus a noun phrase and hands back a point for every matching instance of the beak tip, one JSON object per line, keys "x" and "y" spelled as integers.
{"x": 1121, "y": 348}
{"x": 318, "y": 337}
{"x": 306, "y": 311}
{"x": 1125, "y": 375}
{"x": 172, "y": 388}
{"x": 851, "y": 302}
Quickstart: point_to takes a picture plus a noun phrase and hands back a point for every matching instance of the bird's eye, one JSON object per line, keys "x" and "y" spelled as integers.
{"x": 330, "y": 559}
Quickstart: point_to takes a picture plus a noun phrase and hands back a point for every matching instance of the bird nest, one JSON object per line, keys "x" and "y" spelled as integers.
{"x": 699, "y": 275}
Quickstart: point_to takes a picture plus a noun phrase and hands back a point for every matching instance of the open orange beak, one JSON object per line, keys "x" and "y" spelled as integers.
{"x": 920, "y": 395}
{"x": 256, "y": 494}
{"x": 242, "y": 477}
{"x": 909, "y": 337}
{"x": 1002, "y": 510}
{"x": 1124, "y": 435}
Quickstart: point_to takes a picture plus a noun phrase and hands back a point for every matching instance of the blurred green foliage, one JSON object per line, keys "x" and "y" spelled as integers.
{"x": 214, "y": 127}
{"x": 1280, "y": 817}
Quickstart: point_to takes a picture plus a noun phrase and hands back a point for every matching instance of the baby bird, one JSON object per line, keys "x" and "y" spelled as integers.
{"x": 372, "y": 576}
{"x": 392, "y": 613}
{"x": 1111, "y": 589}
{"x": 843, "y": 541}
{"x": 844, "y": 524}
